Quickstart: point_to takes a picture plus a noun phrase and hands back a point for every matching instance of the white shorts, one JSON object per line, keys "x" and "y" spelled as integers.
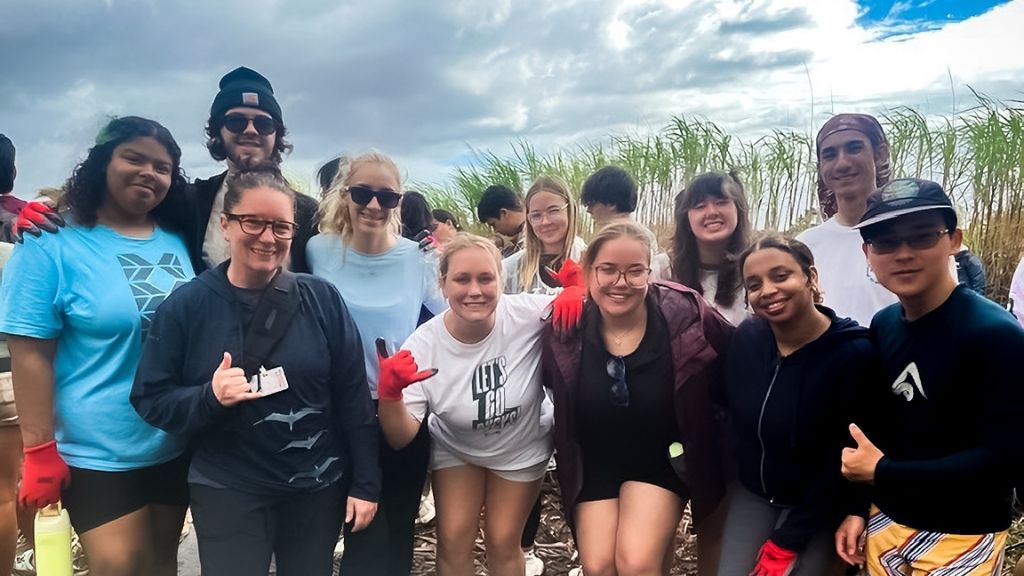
{"x": 441, "y": 458}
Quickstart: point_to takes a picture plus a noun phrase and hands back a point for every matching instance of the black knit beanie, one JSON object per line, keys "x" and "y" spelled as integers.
{"x": 245, "y": 87}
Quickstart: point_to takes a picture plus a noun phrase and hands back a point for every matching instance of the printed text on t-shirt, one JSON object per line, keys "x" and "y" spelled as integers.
{"x": 489, "y": 394}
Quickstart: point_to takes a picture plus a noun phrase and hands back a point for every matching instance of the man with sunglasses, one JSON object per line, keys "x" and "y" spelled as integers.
{"x": 245, "y": 129}
{"x": 937, "y": 436}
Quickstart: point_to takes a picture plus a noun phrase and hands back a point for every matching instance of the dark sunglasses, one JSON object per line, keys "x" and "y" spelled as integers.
{"x": 918, "y": 241}
{"x": 253, "y": 226}
{"x": 619, "y": 392}
{"x": 237, "y": 123}
{"x": 362, "y": 195}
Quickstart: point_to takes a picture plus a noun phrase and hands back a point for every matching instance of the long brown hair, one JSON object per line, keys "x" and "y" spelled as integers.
{"x": 684, "y": 253}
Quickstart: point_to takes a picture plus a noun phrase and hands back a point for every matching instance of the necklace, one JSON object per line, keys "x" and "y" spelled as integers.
{"x": 618, "y": 337}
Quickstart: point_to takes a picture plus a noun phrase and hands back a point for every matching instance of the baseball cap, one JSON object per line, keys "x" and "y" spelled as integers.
{"x": 902, "y": 197}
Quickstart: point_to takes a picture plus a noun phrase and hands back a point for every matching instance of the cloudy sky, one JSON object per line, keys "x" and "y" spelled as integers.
{"x": 425, "y": 81}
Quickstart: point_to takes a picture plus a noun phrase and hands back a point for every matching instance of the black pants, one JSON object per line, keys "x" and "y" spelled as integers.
{"x": 238, "y": 532}
{"x": 384, "y": 548}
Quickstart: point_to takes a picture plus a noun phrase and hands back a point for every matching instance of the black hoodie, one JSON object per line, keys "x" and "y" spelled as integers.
{"x": 792, "y": 415}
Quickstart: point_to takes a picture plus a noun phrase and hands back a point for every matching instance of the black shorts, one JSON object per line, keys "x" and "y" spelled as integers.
{"x": 602, "y": 480}
{"x": 94, "y": 498}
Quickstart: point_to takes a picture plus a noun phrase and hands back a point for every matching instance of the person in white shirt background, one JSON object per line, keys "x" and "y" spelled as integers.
{"x": 712, "y": 227}
{"x": 853, "y": 160}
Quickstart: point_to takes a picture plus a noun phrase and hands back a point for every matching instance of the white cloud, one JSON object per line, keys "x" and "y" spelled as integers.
{"x": 424, "y": 80}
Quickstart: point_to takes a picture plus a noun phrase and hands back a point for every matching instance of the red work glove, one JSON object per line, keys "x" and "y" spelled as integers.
{"x": 45, "y": 475}
{"x": 397, "y": 373}
{"x": 35, "y": 218}
{"x": 569, "y": 274}
{"x": 774, "y": 560}
{"x": 567, "y": 308}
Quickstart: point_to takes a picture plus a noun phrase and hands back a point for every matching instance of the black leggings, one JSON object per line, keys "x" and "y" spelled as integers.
{"x": 384, "y": 548}
{"x": 238, "y": 532}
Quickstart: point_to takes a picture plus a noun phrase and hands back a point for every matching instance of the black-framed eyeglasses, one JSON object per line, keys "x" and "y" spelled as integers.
{"x": 362, "y": 195}
{"x": 619, "y": 392}
{"x": 237, "y": 123}
{"x": 607, "y": 276}
{"x": 253, "y": 226}
{"x": 887, "y": 244}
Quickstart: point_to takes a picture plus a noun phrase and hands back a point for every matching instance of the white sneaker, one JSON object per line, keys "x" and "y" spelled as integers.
{"x": 427, "y": 511}
{"x": 534, "y": 565}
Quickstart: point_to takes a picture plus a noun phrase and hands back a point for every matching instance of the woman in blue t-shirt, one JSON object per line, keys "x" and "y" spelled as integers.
{"x": 76, "y": 307}
{"x": 385, "y": 280}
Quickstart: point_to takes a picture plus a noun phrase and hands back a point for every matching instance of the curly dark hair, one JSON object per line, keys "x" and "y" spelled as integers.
{"x": 86, "y": 190}
{"x": 684, "y": 253}
{"x": 215, "y": 143}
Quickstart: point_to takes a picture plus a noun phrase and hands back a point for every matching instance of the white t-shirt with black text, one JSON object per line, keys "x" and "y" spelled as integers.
{"x": 485, "y": 400}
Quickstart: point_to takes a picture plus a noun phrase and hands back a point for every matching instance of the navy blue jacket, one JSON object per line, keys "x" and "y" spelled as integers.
{"x": 321, "y": 429}
{"x": 792, "y": 415}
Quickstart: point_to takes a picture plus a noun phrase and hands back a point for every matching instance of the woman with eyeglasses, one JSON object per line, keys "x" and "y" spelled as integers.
{"x": 791, "y": 377}
{"x": 490, "y": 445}
{"x": 77, "y": 307}
{"x": 280, "y": 419}
{"x": 550, "y": 238}
{"x": 385, "y": 280}
{"x": 712, "y": 227}
{"x": 633, "y": 380}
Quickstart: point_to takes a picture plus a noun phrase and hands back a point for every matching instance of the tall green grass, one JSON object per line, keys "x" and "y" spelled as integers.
{"x": 977, "y": 155}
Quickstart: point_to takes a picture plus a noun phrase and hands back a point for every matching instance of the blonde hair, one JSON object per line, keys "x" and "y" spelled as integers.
{"x": 618, "y": 229}
{"x": 529, "y": 265}
{"x": 462, "y": 241}
{"x": 335, "y": 217}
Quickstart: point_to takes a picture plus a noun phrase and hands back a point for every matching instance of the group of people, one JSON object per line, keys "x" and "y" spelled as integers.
{"x": 291, "y": 370}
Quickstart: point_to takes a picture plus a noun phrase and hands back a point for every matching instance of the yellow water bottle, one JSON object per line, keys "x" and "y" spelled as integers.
{"x": 53, "y": 541}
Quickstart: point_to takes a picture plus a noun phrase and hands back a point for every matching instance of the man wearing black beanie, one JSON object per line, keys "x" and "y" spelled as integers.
{"x": 245, "y": 129}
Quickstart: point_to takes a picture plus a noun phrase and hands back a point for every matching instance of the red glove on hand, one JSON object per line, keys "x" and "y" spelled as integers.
{"x": 45, "y": 475}
{"x": 774, "y": 560}
{"x": 397, "y": 373}
{"x": 567, "y": 308}
{"x": 569, "y": 274}
{"x": 35, "y": 218}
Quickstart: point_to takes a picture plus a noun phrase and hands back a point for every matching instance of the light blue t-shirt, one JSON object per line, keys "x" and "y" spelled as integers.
{"x": 383, "y": 292}
{"x": 95, "y": 292}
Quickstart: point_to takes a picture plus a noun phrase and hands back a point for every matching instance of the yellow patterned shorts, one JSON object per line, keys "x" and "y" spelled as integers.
{"x": 897, "y": 550}
{"x": 8, "y": 414}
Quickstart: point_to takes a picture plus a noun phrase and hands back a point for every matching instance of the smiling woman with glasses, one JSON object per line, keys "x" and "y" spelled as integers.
{"x": 550, "y": 238}
{"x": 261, "y": 372}
{"x": 385, "y": 280}
{"x": 634, "y": 379}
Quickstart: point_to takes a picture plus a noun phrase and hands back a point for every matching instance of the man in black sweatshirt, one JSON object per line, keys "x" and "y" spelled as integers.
{"x": 937, "y": 437}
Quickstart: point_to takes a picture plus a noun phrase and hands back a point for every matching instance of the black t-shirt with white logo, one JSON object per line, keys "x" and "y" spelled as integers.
{"x": 946, "y": 415}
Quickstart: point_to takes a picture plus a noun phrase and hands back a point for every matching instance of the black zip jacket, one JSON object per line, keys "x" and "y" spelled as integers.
{"x": 203, "y": 193}
{"x": 321, "y": 429}
{"x": 792, "y": 415}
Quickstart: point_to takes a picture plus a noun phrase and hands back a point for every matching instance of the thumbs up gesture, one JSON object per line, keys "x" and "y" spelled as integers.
{"x": 859, "y": 463}
{"x": 230, "y": 385}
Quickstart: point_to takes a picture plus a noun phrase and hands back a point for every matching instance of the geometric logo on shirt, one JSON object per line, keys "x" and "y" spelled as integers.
{"x": 151, "y": 283}
{"x": 907, "y": 382}
{"x": 489, "y": 393}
